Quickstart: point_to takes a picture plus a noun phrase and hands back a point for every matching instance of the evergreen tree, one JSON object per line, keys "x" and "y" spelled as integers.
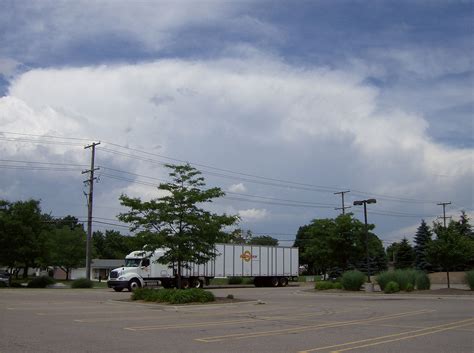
{"x": 422, "y": 239}
{"x": 405, "y": 256}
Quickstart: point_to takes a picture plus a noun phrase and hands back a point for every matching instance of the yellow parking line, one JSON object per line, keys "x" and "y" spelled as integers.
{"x": 167, "y": 327}
{"x": 239, "y": 321}
{"x": 306, "y": 328}
{"x": 428, "y": 331}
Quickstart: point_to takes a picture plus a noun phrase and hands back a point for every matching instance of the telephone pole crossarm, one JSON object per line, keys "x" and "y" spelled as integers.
{"x": 343, "y": 208}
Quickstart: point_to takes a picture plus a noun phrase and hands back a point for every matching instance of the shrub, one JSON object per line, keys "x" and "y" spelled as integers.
{"x": 422, "y": 281}
{"x": 82, "y": 283}
{"x": 248, "y": 281}
{"x": 391, "y": 287}
{"x": 406, "y": 279}
{"x": 41, "y": 282}
{"x": 410, "y": 287}
{"x": 324, "y": 285}
{"x": 470, "y": 279}
{"x": 352, "y": 280}
{"x": 173, "y": 296}
{"x": 235, "y": 280}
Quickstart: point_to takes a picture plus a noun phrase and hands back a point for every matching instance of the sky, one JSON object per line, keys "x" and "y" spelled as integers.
{"x": 281, "y": 104}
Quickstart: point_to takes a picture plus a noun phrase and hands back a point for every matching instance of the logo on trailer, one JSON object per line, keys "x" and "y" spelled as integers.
{"x": 247, "y": 256}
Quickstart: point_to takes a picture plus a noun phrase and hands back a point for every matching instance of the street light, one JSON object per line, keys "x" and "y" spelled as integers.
{"x": 360, "y": 203}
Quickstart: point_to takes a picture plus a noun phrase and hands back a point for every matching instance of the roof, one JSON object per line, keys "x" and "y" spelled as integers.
{"x": 107, "y": 263}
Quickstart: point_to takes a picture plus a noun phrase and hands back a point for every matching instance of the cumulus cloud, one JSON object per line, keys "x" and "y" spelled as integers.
{"x": 253, "y": 114}
{"x": 237, "y": 188}
{"x": 253, "y": 214}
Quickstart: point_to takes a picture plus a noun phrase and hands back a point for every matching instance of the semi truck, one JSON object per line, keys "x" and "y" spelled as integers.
{"x": 271, "y": 266}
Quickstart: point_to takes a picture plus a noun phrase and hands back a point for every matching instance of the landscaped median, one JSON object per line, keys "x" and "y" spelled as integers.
{"x": 173, "y": 296}
{"x": 401, "y": 280}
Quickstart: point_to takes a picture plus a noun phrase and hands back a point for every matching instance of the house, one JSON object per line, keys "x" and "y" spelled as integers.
{"x": 100, "y": 269}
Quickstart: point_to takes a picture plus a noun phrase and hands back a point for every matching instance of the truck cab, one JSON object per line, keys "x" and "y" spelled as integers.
{"x": 140, "y": 269}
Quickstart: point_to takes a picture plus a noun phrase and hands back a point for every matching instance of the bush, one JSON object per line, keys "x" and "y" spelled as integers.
{"x": 41, "y": 282}
{"x": 422, "y": 281}
{"x": 470, "y": 279}
{"x": 235, "y": 280}
{"x": 391, "y": 287}
{"x": 173, "y": 296}
{"x": 82, "y": 283}
{"x": 407, "y": 279}
{"x": 352, "y": 280}
{"x": 324, "y": 285}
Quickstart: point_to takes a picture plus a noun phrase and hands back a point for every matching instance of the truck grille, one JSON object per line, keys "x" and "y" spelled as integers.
{"x": 114, "y": 274}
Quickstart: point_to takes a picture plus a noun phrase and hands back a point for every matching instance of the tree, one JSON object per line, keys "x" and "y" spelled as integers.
{"x": 67, "y": 248}
{"x": 336, "y": 245}
{"x": 405, "y": 255}
{"x": 22, "y": 234}
{"x": 422, "y": 239}
{"x": 263, "y": 240}
{"x": 112, "y": 244}
{"x": 176, "y": 222}
{"x": 451, "y": 249}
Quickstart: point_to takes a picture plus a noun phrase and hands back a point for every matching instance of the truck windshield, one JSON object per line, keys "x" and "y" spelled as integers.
{"x": 132, "y": 262}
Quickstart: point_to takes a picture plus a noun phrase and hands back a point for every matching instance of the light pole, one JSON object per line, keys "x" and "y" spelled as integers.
{"x": 359, "y": 203}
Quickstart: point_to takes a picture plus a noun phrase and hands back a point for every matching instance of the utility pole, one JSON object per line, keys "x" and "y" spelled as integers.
{"x": 343, "y": 208}
{"x": 90, "y": 199}
{"x": 444, "y": 211}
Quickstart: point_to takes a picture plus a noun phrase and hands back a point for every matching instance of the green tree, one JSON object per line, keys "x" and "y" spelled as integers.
{"x": 422, "y": 239}
{"x": 22, "y": 234}
{"x": 112, "y": 244}
{"x": 263, "y": 240}
{"x": 338, "y": 244}
{"x": 405, "y": 256}
{"x": 68, "y": 248}
{"x": 451, "y": 249}
{"x": 176, "y": 222}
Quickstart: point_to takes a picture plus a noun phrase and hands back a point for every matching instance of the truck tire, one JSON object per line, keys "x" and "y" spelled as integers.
{"x": 133, "y": 284}
{"x": 274, "y": 282}
{"x": 283, "y": 281}
{"x": 197, "y": 283}
{"x": 118, "y": 289}
{"x": 184, "y": 283}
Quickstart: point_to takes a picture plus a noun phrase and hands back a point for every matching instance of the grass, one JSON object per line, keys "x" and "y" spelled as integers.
{"x": 407, "y": 279}
{"x": 325, "y": 285}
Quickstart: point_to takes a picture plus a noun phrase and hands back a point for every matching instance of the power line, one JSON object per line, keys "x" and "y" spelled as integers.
{"x": 270, "y": 181}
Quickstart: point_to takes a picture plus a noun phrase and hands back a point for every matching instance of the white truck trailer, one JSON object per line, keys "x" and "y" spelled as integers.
{"x": 269, "y": 266}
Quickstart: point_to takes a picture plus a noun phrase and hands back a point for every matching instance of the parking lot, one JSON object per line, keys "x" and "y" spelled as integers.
{"x": 291, "y": 319}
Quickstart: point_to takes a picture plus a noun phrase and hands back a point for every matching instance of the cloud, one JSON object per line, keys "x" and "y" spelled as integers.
{"x": 253, "y": 215}
{"x": 237, "y": 188}
{"x": 252, "y": 113}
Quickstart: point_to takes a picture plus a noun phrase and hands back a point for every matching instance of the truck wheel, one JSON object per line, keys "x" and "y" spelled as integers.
{"x": 118, "y": 289}
{"x": 274, "y": 282}
{"x": 133, "y": 284}
{"x": 283, "y": 282}
{"x": 197, "y": 283}
{"x": 184, "y": 283}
